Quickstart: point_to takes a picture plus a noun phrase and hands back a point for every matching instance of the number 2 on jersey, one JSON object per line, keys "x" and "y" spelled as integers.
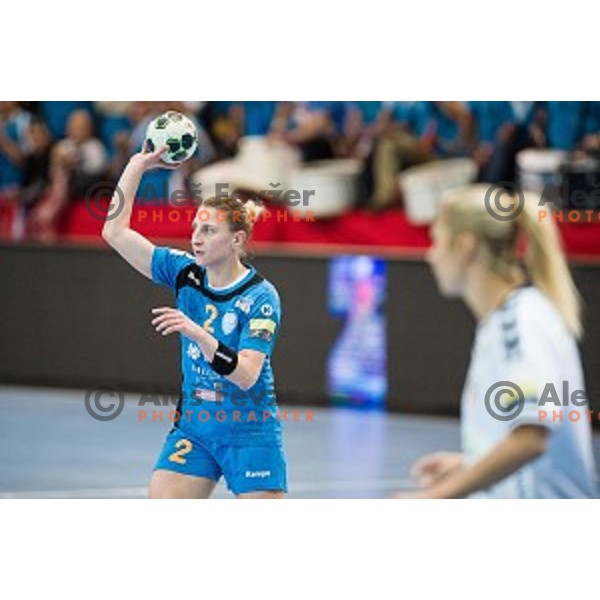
{"x": 212, "y": 311}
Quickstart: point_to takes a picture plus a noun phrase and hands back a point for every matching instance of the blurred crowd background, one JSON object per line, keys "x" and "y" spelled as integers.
{"x": 52, "y": 152}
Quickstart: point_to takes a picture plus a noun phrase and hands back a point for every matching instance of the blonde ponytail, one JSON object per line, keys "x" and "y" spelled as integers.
{"x": 547, "y": 266}
{"x": 253, "y": 210}
{"x": 465, "y": 210}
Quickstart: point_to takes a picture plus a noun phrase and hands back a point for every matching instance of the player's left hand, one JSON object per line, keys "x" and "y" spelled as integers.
{"x": 170, "y": 320}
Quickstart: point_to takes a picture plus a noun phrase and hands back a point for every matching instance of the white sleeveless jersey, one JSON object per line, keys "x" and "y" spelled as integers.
{"x": 526, "y": 342}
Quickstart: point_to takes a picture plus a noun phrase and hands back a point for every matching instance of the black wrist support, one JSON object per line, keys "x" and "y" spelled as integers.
{"x": 225, "y": 360}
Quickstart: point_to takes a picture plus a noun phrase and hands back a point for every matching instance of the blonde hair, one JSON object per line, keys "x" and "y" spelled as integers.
{"x": 240, "y": 215}
{"x": 499, "y": 235}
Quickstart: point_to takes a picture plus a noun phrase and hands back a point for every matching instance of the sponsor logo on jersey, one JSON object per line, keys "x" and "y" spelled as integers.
{"x": 193, "y": 351}
{"x": 204, "y": 373}
{"x": 209, "y": 395}
{"x": 266, "y": 309}
{"x": 244, "y": 304}
{"x": 266, "y": 324}
{"x": 193, "y": 277}
{"x": 229, "y": 322}
{"x": 262, "y": 329}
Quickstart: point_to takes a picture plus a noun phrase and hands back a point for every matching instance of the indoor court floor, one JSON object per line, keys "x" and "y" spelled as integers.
{"x": 50, "y": 447}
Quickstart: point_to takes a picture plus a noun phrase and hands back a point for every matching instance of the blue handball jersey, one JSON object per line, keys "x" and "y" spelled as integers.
{"x": 245, "y": 316}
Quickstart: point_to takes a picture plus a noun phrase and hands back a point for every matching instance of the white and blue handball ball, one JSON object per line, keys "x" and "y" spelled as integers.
{"x": 176, "y": 131}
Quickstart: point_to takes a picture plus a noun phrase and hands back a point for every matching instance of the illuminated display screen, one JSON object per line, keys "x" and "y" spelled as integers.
{"x": 357, "y": 364}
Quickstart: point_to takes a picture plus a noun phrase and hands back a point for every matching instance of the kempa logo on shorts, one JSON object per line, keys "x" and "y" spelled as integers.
{"x": 259, "y": 474}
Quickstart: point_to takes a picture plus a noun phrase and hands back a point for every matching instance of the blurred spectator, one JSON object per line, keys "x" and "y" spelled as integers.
{"x": 318, "y": 130}
{"x": 399, "y": 141}
{"x": 527, "y": 132}
{"x": 35, "y": 174}
{"x": 262, "y": 156}
{"x": 450, "y": 127}
{"x": 565, "y": 124}
{"x": 57, "y": 114}
{"x": 256, "y": 118}
{"x": 591, "y": 140}
{"x": 113, "y": 122}
{"x": 409, "y": 134}
{"x": 361, "y": 127}
{"x": 77, "y": 162}
{"x": 220, "y": 125}
{"x": 523, "y": 111}
{"x": 36, "y": 164}
{"x": 369, "y": 111}
{"x": 13, "y": 126}
{"x": 495, "y": 130}
{"x": 526, "y": 115}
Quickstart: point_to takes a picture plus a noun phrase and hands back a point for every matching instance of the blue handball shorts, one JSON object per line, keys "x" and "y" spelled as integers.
{"x": 251, "y": 465}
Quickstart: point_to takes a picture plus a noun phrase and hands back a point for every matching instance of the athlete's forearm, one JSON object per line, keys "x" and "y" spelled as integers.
{"x": 123, "y": 199}
{"x": 520, "y": 447}
{"x": 246, "y": 371}
{"x": 207, "y": 343}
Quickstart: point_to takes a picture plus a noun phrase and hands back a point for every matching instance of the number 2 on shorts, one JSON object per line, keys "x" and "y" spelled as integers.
{"x": 184, "y": 446}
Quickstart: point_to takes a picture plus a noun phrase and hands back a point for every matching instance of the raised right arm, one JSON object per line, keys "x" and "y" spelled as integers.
{"x": 132, "y": 246}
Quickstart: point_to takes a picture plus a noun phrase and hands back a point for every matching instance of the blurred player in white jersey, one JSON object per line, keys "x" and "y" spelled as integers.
{"x": 517, "y": 441}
